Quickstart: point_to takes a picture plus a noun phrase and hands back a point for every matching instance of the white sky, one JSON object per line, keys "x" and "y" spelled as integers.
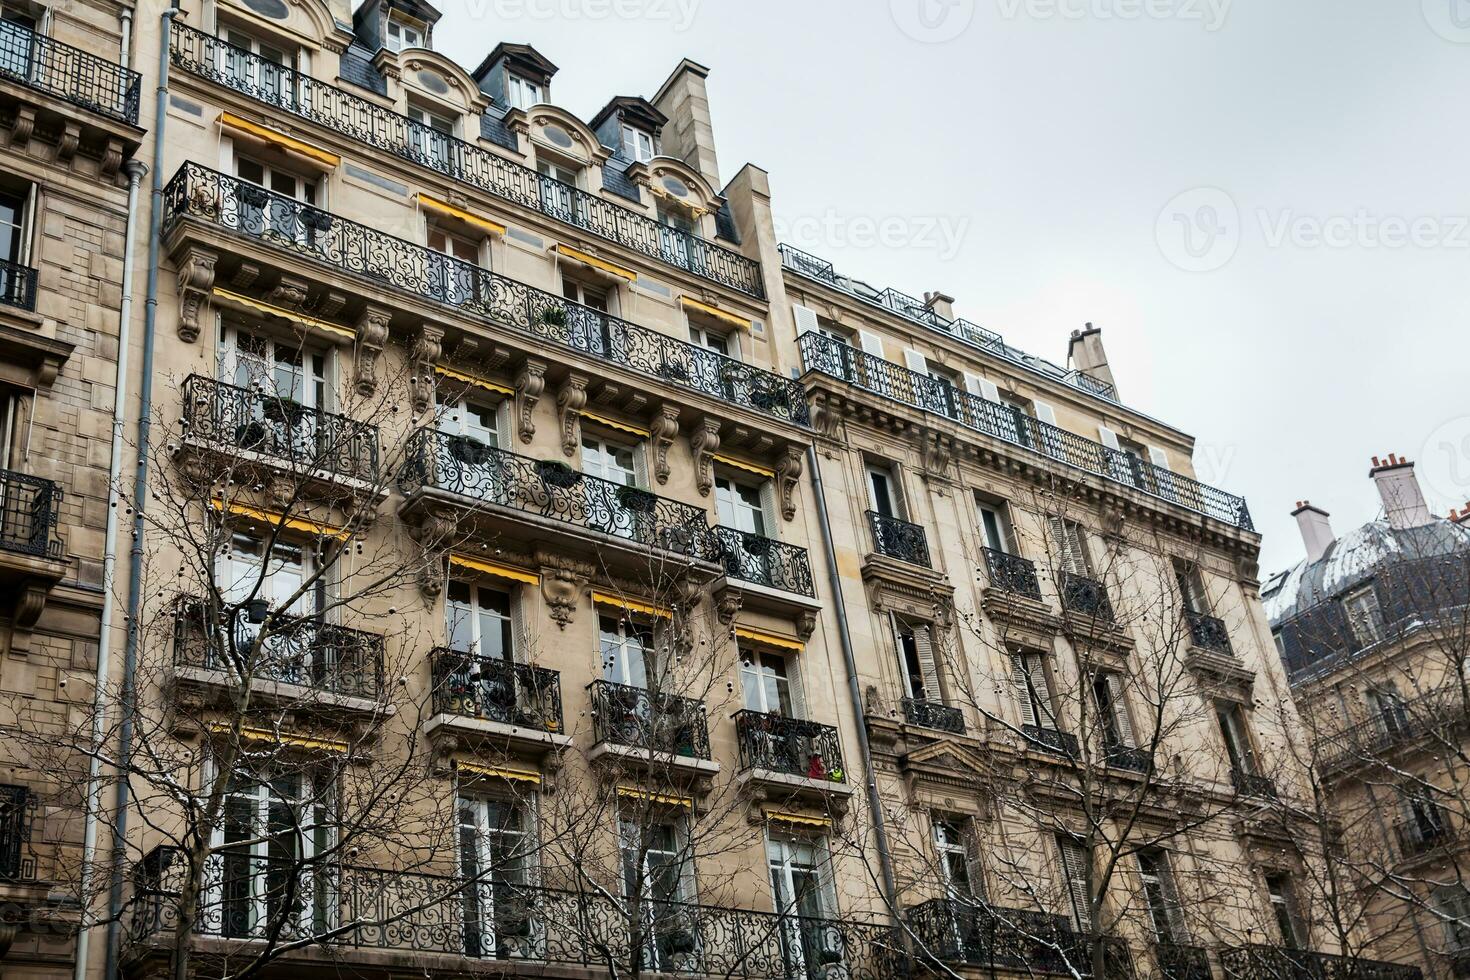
{"x": 1052, "y": 140}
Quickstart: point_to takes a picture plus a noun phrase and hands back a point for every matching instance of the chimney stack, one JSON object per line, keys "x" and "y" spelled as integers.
{"x": 1085, "y": 352}
{"x": 1316, "y": 528}
{"x": 940, "y": 303}
{"x": 689, "y": 134}
{"x": 1461, "y": 517}
{"x": 1398, "y": 487}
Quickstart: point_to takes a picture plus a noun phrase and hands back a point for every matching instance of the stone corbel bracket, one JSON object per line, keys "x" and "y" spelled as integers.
{"x": 705, "y": 442}
{"x": 428, "y": 347}
{"x": 563, "y": 581}
{"x": 788, "y": 475}
{"x": 529, "y": 384}
{"x": 196, "y": 280}
{"x": 662, "y": 429}
{"x": 372, "y": 334}
{"x": 571, "y": 399}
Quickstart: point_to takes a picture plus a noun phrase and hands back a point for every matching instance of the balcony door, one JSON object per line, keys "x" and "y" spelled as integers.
{"x": 456, "y": 272}
{"x": 805, "y": 903}
{"x": 588, "y": 327}
{"x": 883, "y": 492}
{"x": 258, "y": 68}
{"x": 997, "y": 528}
{"x": 287, "y": 213}
{"x": 658, "y": 885}
{"x": 676, "y": 232}
{"x": 559, "y": 195}
{"x": 495, "y": 850}
{"x": 741, "y": 507}
{"x": 280, "y": 390}
{"x": 19, "y": 29}
{"x": 258, "y": 583}
{"x": 610, "y": 508}
{"x": 14, "y": 246}
{"x": 431, "y": 138}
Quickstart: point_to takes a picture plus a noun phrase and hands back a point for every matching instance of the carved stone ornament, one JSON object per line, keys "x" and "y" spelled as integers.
{"x": 530, "y": 382}
{"x": 196, "y": 280}
{"x": 705, "y": 442}
{"x": 562, "y": 582}
{"x": 428, "y": 347}
{"x": 788, "y": 474}
{"x": 727, "y": 605}
{"x": 66, "y": 146}
{"x": 372, "y": 334}
{"x": 806, "y": 624}
{"x": 662, "y": 430}
{"x": 434, "y": 532}
{"x": 22, "y": 126}
{"x": 290, "y": 292}
{"x": 571, "y": 398}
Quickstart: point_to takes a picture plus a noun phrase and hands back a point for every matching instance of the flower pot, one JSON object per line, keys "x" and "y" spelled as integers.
{"x": 557, "y": 474}
{"x": 554, "y": 316}
{"x": 636, "y": 500}
{"x": 472, "y": 452}
{"x": 251, "y": 435}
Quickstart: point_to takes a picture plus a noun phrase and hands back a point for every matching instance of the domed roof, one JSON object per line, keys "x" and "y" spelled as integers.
{"x": 1354, "y": 558}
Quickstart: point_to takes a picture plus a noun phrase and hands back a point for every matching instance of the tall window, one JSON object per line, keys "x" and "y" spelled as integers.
{"x": 469, "y": 415}
{"x": 626, "y": 648}
{"x": 1031, "y": 688}
{"x": 496, "y": 849}
{"x": 402, "y": 36}
{"x": 15, "y": 203}
{"x": 1364, "y": 616}
{"x": 1070, "y": 546}
{"x": 617, "y": 463}
{"x": 769, "y": 683}
{"x": 1114, "y": 724}
{"x": 480, "y": 620}
{"x": 712, "y": 338}
{"x": 1452, "y": 905}
{"x": 1425, "y": 819}
{"x": 1282, "y": 897}
{"x": 1162, "y": 896}
{"x": 802, "y": 893}
{"x": 1235, "y": 732}
{"x": 284, "y": 213}
{"x": 995, "y": 524}
{"x": 916, "y": 661}
{"x": 521, "y": 93}
{"x": 955, "y": 846}
{"x": 1076, "y": 866}
{"x": 883, "y": 491}
{"x": 431, "y": 136}
{"x": 262, "y": 68}
{"x": 658, "y": 878}
{"x": 1391, "y": 710}
{"x": 1191, "y": 586}
{"x": 637, "y": 144}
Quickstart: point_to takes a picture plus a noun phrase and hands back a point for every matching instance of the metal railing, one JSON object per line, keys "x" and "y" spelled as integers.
{"x": 1009, "y": 424}
{"x": 1436, "y": 711}
{"x": 1207, "y": 632}
{"x": 1129, "y": 757}
{"x": 1258, "y": 962}
{"x": 644, "y": 719}
{"x": 1051, "y": 740}
{"x": 1012, "y": 573}
{"x": 1252, "y": 784}
{"x": 69, "y": 73}
{"x": 551, "y": 489}
{"x": 933, "y": 714}
{"x": 243, "y": 208}
{"x": 897, "y": 538}
{"x": 298, "y": 650}
{"x": 17, "y": 806}
{"x": 17, "y": 284}
{"x": 1086, "y": 597}
{"x": 1178, "y": 961}
{"x": 914, "y": 309}
{"x": 765, "y": 561}
{"x": 29, "y": 507}
{"x": 385, "y": 130}
{"x": 976, "y": 933}
{"x": 1416, "y": 837}
{"x": 793, "y": 746}
{"x": 229, "y": 418}
{"x": 492, "y": 689}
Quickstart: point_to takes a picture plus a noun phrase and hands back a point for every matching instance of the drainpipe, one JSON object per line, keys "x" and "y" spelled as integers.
{"x": 834, "y": 583}
{"x": 140, "y": 494}
{"x": 135, "y": 171}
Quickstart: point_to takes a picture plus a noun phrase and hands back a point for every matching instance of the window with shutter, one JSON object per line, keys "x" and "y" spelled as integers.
{"x": 1028, "y": 678}
{"x": 806, "y": 319}
{"x": 1237, "y": 741}
{"x": 1077, "y": 875}
{"x": 1112, "y": 712}
{"x": 1159, "y": 892}
{"x": 928, "y": 664}
{"x": 1283, "y": 909}
{"x": 1070, "y": 545}
{"x": 1021, "y": 687}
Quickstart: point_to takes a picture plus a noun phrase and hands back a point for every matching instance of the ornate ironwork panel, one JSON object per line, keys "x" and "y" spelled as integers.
{"x": 1086, "y": 597}
{"x": 1181, "y": 962}
{"x": 899, "y": 539}
{"x": 28, "y": 512}
{"x": 1207, "y": 632}
{"x": 1258, "y": 962}
{"x": 1130, "y": 757}
{"x": 1051, "y": 740}
{"x": 1252, "y": 784}
{"x": 932, "y": 714}
{"x": 793, "y": 746}
{"x": 17, "y": 282}
{"x": 1012, "y": 573}
{"x": 765, "y": 561}
{"x": 69, "y": 73}
{"x": 496, "y": 690}
{"x": 16, "y": 810}
{"x": 975, "y": 933}
{"x": 644, "y": 719}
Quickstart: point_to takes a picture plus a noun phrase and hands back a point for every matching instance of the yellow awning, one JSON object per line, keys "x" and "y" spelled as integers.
{"x": 266, "y": 309}
{"x": 781, "y": 816}
{"x": 229, "y": 120}
{"x": 283, "y": 738}
{"x": 476, "y": 380}
{"x": 614, "y": 424}
{"x": 444, "y": 207}
{"x": 742, "y": 464}
{"x": 631, "y": 605}
{"x": 664, "y": 798}
{"x": 491, "y": 568}
{"x": 497, "y": 772}
{"x": 725, "y": 315}
{"x": 769, "y": 639}
{"x": 597, "y": 263}
{"x": 302, "y": 524}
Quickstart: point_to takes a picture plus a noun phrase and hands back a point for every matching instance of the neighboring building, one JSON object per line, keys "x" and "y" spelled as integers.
{"x": 1374, "y": 630}
{"x": 69, "y": 111}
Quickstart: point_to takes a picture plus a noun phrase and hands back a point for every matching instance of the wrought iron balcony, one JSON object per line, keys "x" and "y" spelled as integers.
{"x": 68, "y": 73}
{"x": 1252, "y": 784}
{"x": 764, "y": 561}
{"x": 552, "y": 490}
{"x": 793, "y": 746}
{"x": 642, "y": 719}
{"x": 297, "y": 650}
{"x": 386, "y": 131}
{"x": 1435, "y": 713}
{"x": 17, "y": 282}
{"x": 899, "y": 539}
{"x": 492, "y": 689}
{"x": 933, "y": 714}
{"x": 975, "y": 933}
{"x": 1012, "y": 573}
{"x": 1051, "y": 740}
{"x": 1182, "y": 962}
{"x": 228, "y": 418}
{"x": 17, "y": 809}
{"x": 242, "y": 208}
{"x": 1129, "y": 757}
{"x": 28, "y": 512}
{"x": 1207, "y": 632}
{"x": 1086, "y": 597}
{"x": 1417, "y": 837}
{"x": 1258, "y": 962}
{"x": 494, "y": 916}
{"x": 1007, "y": 423}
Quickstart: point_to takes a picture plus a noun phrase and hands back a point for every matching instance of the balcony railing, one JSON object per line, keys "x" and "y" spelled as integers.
{"x": 1130, "y": 757}
{"x": 389, "y": 132}
{"x": 1086, "y": 597}
{"x": 491, "y": 689}
{"x": 69, "y": 73}
{"x": 229, "y": 418}
{"x": 1012, "y": 573}
{"x": 1252, "y": 784}
{"x": 793, "y": 746}
{"x": 977, "y": 934}
{"x": 1258, "y": 962}
{"x": 1418, "y": 837}
{"x": 28, "y": 511}
{"x": 913, "y": 309}
{"x": 1207, "y": 632}
{"x": 297, "y": 650}
{"x": 496, "y": 916}
{"x": 550, "y": 489}
{"x": 17, "y": 282}
{"x": 642, "y": 719}
{"x": 1177, "y": 961}
{"x": 1009, "y": 424}
{"x": 1436, "y": 712}
{"x": 17, "y": 806}
{"x": 242, "y": 208}
{"x": 899, "y": 539}
{"x": 933, "y": 714}
{"x": 1051, "y": 740}
{"x": 764, "y": 561}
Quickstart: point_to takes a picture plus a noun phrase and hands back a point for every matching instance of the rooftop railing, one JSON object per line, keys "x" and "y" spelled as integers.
{"x": 69, "y": 73}
{"x": 1007, "y": 423}
{"x": 383, "y": 129}
{"x": 243, "y": 208}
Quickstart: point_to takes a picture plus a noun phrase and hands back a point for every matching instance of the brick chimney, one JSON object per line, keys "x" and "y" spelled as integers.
{"x": 1086, "y": 354}
{"x": 1316, "y": 528}
{"x": 1398, "y": 487}
{"x": 689, "y": 134}
{"x": 1461, "y": 517}
{"x": 940, "y": 303}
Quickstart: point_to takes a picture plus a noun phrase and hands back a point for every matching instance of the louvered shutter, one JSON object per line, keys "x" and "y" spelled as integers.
{"x": 871, "y": 343}
{"x": 806, "y": 319}
{"x": 1108, "y": 438}
{"x": 1019, "y": 671}
{"x": 989, "y": 391}
{"x": 1158, "y": 457}
{"x": 1044, "y": 413}
{"x": 1077, "y": 870}
{"x": 1050, "y": 440}
{"x": 973, "y": 868}
{"x": 924, "y": 645}
{"x": 1067, "y": 537}
{"x": 770, "y": 510}
{"x": 1119, "y": 708}
{"x": 972, "y": 384}
{"x": 914, "y": 361}
{"x": 794, "y": 688}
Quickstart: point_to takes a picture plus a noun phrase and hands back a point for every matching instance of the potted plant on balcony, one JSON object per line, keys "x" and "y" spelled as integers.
{"x": 471, "y": 452}
{"x": 318, "y": 221}
{"x": 555, "y": 473}
{"x": 637, "y": 500}
{"x": 757, "y": 546}
{"x": 554, "y": 316}
{"x": 250, "y": 195}
{"x": 675, "y": 934}
{"x": 252, "y": 434}
{"x": 513, "y": 917}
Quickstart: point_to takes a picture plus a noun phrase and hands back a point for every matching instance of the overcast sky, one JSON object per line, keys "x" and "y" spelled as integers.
{"x": 1261, "y": 202}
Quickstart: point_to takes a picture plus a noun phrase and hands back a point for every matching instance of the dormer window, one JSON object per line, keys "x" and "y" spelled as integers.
{"x": 402, "y": 35}
{"x": 637, "y": 145}
{"x": 520, "y": 93}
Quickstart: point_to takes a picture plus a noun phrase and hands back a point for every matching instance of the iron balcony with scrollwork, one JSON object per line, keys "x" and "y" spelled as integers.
{"x": 935, "y": 715}
{"x": 638, "y": 718}
{"x": 792, "y": 746}
{"x": 17, "y": 808}
{"x": 1207, "y": 632}
{"x": 1181, "y": 961}
{"x": 17, "y": 284}
{"x": 367, "y": 122}
{"x": 1012, "y": 573}
{"x": 493, "y": 689}
{"x": 1130, "y": 757}
{"x": 1435, "y": 714}
{"x": 301, "y": 651}
{"x": 1260, "y": 962}
{"x": 28, "y": 512}
{"x": 238, "y": 207}
{"x": 550, "y": 489}
{"x": 70, "y": 74}
{"x": 227, "y": 418}
{"x": 974, "y": 933}
{"x": 1424, "y": 833}
{"x": 1009, "y": 424}
{"x": 897, "y": 538}
{"x": 764, "y": 561}
{"x": 1086, "y": 597}
{"x": 498, "y": 917}
{"x": 1252, "y": 784}
{"x": 1051, "y": 740}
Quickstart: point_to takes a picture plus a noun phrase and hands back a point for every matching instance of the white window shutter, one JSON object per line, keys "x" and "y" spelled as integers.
{"x": 1108, "y": 437}
{"x": 1077, "y": 870}
{"x": 924, "y": 645}
{"x": 1044, "y": 413}
{"x": 805, "y": 317}
{"x": 1158, "y": 457}
{"x": 871, "y": 343}
{"x": 915, "y": 361}
{"x": 794, "y": 688}
{"x": 973, "y": 384}
{"x": 1119, "y": 708}
{"x": 1021, "y": 689}
{"x": 989, "y": 391}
